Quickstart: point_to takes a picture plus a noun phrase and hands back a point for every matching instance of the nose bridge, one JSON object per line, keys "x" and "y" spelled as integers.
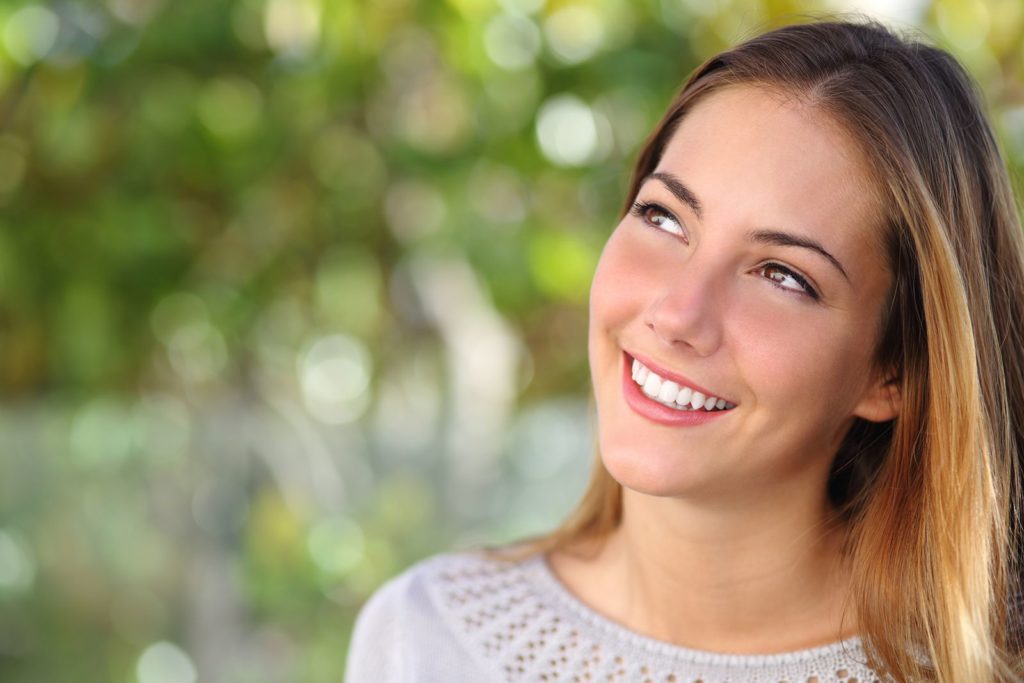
{"x": 687, "y": 309}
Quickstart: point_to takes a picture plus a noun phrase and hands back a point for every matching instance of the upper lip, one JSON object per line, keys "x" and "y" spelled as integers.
{"x": 674, "y": 376}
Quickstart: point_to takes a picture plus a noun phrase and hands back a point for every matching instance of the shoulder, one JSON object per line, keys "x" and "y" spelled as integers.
{"x": 426, "y": 587}
{"x": 412, "y": 624}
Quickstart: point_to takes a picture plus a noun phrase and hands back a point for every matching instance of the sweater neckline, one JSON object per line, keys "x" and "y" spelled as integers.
{"x": 550, "y": 584}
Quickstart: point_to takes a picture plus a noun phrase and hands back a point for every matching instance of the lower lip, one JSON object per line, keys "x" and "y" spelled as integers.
{"x": 657, "y": 412}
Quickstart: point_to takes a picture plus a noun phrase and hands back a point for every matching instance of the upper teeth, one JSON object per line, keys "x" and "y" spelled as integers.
{"x": 671, "y": 394}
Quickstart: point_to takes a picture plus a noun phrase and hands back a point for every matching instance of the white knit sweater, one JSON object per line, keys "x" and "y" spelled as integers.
{"x": 463, "y": 617}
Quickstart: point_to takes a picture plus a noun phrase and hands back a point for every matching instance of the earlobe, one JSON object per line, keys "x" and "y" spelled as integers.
{"x": 881, "y": 403}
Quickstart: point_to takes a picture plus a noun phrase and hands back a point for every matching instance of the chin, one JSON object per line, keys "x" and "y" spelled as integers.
{"x": 648, "y": 473}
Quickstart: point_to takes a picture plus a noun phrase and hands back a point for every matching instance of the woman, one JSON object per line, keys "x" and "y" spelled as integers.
{"x": 806, "y": 350}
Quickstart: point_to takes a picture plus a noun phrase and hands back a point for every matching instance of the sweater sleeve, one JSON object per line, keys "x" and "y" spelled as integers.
{"x": 404, "y": 634}
{"x": 376, "y": 650}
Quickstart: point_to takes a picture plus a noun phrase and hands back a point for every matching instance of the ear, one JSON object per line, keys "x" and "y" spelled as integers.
{"x": 881, "y": 400}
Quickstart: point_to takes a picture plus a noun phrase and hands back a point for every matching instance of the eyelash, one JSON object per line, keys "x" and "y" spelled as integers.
{"x": 800, "y": 280}
{"x": 640, "y": 209}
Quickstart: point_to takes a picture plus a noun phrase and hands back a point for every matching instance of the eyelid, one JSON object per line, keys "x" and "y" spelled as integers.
{"x": 640, "y": 207}
{"x": 809, "y": 289}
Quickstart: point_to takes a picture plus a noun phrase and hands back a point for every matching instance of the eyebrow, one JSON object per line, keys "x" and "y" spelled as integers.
{"x": 682, "y": 192}
{"x": 773, "y": 237}
{"x": 785, "y": 239}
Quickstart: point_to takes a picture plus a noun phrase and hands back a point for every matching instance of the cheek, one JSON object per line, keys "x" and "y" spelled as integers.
{"x": 801, "y": 362}
{"x": 613, "y": 287}
{"x": 628, "y": 274}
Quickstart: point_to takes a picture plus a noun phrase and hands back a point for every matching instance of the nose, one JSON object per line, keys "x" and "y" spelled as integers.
{"x": 686, "y": 312}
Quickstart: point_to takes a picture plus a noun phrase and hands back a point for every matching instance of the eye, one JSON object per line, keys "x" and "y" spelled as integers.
{"x": 658, "y": 217}
{"x": 784, "y": 278}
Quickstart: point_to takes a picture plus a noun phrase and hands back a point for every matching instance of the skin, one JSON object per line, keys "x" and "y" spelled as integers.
{"x": 728, "y": 542}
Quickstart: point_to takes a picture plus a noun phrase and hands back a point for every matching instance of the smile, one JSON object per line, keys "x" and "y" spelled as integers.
{"x": 673, "y": 394}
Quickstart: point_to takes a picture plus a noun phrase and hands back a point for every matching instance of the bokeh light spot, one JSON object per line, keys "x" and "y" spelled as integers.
{"x": 17, "y": 568}
{"x": 165, "y": 662}
{"x": 522, "y": 6}
{"x": 335, "y": 378}
{"x": 904, "y": 11}
{"x": 965, "y": 22}
{"x": 137, "y": 12}
{"x": 196, "y": 349}
{"x": 512, "y": 41}
{"x": 101, "y": 433}
{"x": 336, "y": 544}
{"x": 292, "y": 26}
{"x": 567, "y": 131}
{"x": 575, "y": 33}
{"x": 346, "y": 161}
{"x": 562, "y": 265}
{"x": 230, "y": 107}
{"x": 30, "y": 33}
{"x": 435, "y": 115}
{"x": 198, "y": 353}
{"x": 1013, "y": 127}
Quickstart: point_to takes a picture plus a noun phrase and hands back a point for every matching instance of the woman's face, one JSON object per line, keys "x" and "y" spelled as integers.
{"x": 750, "y": 269}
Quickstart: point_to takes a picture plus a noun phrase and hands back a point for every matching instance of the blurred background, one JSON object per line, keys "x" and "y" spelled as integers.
{"x": 293, "y": 294}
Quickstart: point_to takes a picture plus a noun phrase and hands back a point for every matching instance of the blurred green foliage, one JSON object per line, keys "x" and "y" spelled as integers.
{"x": 293, "y": 293}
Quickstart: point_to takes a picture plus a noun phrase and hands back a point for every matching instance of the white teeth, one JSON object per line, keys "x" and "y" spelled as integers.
{"x": 652, "y": 385}
{"x": 668, "y": 392}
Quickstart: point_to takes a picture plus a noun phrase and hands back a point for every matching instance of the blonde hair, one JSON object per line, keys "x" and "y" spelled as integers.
{"x": 931, "y": 498}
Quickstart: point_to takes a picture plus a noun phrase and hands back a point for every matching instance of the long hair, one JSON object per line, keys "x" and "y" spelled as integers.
{"x": 932, "y": 497}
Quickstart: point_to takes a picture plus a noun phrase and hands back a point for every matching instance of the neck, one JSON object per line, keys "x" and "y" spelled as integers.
{"x": 749, "y": 577}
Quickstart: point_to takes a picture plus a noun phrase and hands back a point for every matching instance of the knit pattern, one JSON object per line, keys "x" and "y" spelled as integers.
{"x": 522, "y": 624}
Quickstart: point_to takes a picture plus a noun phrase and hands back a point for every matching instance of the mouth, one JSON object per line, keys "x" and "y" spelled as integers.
{"x": 672, "y": 390}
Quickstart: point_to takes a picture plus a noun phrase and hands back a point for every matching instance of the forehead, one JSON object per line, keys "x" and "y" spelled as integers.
{"x": 759, "y": 157}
